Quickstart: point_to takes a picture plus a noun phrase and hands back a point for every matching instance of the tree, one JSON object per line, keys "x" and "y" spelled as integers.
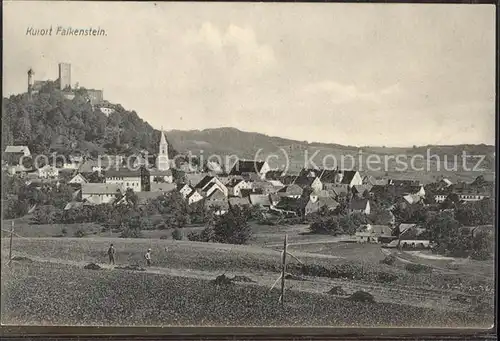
{"x": 232, "y": 227}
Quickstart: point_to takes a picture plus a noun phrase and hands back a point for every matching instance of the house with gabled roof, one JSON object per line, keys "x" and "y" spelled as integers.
{"x": 234, "y": 187}
{"x": 100, "y": 193}
{"x": 217, "y": 199}
{"x": 248, "y": 167}
{"x": 135, "y": 179}
{"x": 193, "y": 197}
{"x": 78, "y": 179}
{"x": 211, "y": 183}
{"x": 315, "y": 203}
{"x": 185, "y": 190}
{"x": 313, "y": 182}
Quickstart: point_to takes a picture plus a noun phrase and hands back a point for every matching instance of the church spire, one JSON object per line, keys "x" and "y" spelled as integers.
{"x": 163, "y": 139}
{"x": 163, "y": 163}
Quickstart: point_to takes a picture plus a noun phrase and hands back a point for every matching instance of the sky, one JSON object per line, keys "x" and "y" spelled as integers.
{"x": 356, "y": 74}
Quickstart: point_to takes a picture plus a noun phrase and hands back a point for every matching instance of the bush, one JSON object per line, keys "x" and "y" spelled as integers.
{"x": 362, "y": 296}
{"x": 389, "y": 260}
{"x": 162, "y": 226}
{"x": 131, "y": 233}
{"x": 64, "y": 231}
{"x": 417, "y": 268}
{"x": 80, "y": 233}
{"x": 337, "y": 290}
{"x": 177, "y": 234}
{"x": 386, "y": 277}
{"x": 164, "y": 237}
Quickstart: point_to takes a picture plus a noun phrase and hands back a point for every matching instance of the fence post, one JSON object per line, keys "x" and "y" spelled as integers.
{"x": 10, "y": 242}
{"x": 283, "y": 272}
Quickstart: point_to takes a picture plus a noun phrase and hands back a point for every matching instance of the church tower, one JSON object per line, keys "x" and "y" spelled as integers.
{"x": 162, "y": 161}
{"x": 31, "y": 81}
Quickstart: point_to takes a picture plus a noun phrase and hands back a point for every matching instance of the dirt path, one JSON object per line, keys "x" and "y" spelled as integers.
{"x": 420, "y": 297}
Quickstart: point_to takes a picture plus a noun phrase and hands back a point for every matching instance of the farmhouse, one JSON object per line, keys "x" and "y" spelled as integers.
{"x": 99, "y": 193}
{"x": 137, "y": 180}
{"x": 373, "y": 233}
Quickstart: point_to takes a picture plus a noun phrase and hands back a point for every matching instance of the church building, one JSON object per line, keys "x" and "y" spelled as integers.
{"x": 162, "y": 171}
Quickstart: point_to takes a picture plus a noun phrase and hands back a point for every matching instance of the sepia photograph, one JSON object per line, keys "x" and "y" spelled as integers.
{"x": 190, "y": 164}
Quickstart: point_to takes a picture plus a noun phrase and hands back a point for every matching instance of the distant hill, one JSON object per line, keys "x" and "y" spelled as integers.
{"x": 52, "y": 123}
{"x": 231, "y": 141}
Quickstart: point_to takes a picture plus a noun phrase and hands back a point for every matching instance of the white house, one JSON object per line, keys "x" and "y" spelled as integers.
{"x": 161, "y": 176}
{"x": 185, "y": 190}
{"x": 47, "y": 172}
{"x": 193, "y": 197}
{"x": 78, "y": 179}
{"x": 24, "y": 150}
{"x": 238, "y": 185}
{"x": 126, "y": 178}
{"x": 100, "y": 193}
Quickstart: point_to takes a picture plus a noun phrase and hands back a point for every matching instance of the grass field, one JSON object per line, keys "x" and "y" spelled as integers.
{"x": 30, "y": 295}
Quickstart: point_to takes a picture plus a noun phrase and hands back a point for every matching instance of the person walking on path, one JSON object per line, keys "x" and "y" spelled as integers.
{"x": 111, "y": 254}
{"x": 148, "y": 257}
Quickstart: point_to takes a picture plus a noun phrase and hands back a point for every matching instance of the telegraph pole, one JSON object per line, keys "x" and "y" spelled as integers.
{"x": 283, "y": 272}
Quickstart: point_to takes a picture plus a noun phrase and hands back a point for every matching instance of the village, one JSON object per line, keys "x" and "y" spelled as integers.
{"x": 246, "y": 183}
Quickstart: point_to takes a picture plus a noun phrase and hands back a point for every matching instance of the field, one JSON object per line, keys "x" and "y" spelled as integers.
{"x": 178, "y": 288}
{"x": 117, "y": 298}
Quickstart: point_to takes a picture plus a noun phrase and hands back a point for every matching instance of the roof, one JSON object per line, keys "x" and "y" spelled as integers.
{"x": 214, "y": 166}
{"x": 291, "y": 204}
{"x": 328, "y": 176}
{"x": 216, "y": 195}
{"x": 358, "y": 204}
{"x": 192, "y": 193}
{"x": 100, "y": 188}
{"x": 73, "y": 204}
{"x": 262, "y": 184}
{"x": 123, "y": 173}
{"x": 324, "y": 193}
{"x": 328, "y": 202}
{"x": 291, "y": 190}
{"x": 304, "y": 180}
{"x": 163, "y": 139}
{"x": 383, "y": 230}
{"x": 236, "y": 201}
{"x": 274, "y": 174}
{"x": 156, "y": 172}
{"x": 205, "y": 181}
{"x": 247, "y": 166}
{"x": 16, "y": 149}
{"x": 143, "y": 197}
{"x": 339, "y": 190}
{"x": 260, "y": 199}
{"x": 276, "y": 183}
{"x": 162, "y": 187}
{"x": 348, "y": 176}
{"x": 194, "y": 178}
{"x": 412, "y": 198}
{"x": 404, "y": 226}
{"x": 362, "y": 188}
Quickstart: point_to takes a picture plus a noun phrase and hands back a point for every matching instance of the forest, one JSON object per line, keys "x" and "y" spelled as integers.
{"x": 50, "y": 123}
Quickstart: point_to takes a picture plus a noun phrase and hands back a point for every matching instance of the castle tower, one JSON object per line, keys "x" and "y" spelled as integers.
{"x": 64, "y": 75}
{"x": 31, "y": 81}
{"x": 162, "y": 161}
